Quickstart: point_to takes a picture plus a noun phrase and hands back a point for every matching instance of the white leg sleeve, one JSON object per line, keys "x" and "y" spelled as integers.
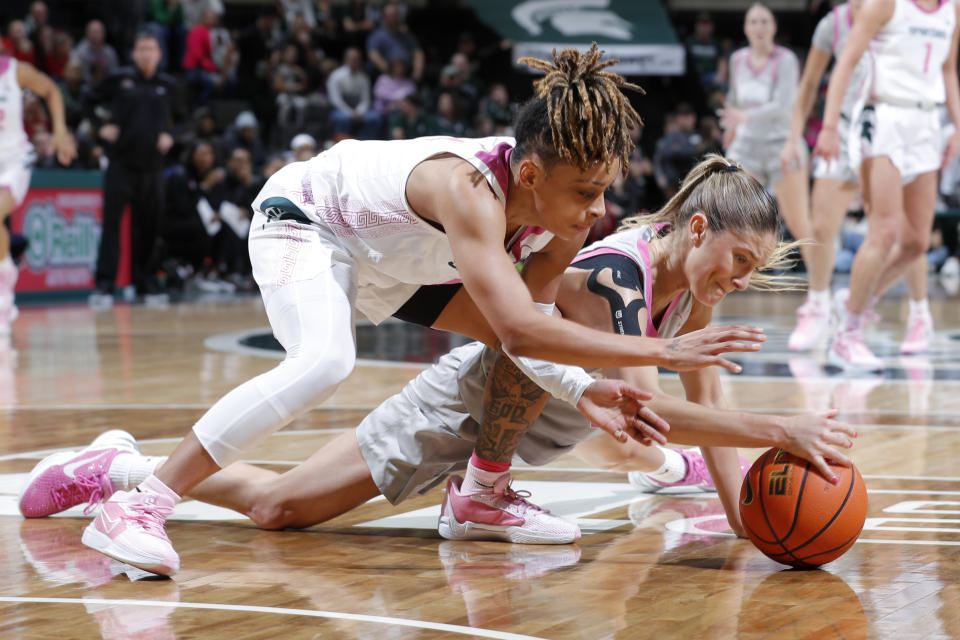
{"x": 313, "y": 320}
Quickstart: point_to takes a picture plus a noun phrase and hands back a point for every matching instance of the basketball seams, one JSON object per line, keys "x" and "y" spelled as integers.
{"x": 775, "y": 507}
{"x": 846, "y": 498}
{"x": 766, "y": 517}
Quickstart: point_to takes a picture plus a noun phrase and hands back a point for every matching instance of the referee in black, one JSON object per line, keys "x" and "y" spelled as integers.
{"x": 137, "y": 104}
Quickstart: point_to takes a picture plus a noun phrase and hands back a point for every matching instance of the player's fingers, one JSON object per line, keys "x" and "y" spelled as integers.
{"x": 653, "y": 419}
{"x": 742, "y": 332}
{"x": 649, "y": 433}
{"x": 824, "y": 469}
{"x": 636, "y": 393}
{"x": 842, "y": 427}
{"x": 729, "y": 365}
{"x": 837, "y": 456}
{"x": 727, "y": 347}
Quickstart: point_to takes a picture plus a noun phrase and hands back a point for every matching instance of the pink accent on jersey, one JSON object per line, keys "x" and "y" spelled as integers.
{"x": 934, "y": 10}
{"x": 498, "y": 160}
{"x": 517, "y": 249}
{"x": 4, "y": 64}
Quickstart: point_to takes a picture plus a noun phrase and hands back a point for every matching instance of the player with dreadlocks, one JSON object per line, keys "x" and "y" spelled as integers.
{"x": 376, "y": 226}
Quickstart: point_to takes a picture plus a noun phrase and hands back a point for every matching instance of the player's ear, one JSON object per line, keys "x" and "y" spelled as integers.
{"x": 530, "y": 171}
{"x": 697, "y": 228}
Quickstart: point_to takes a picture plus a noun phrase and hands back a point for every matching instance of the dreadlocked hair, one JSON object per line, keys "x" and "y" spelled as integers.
{"x": 584, "y": 109}
{"x": 732, "y": 200}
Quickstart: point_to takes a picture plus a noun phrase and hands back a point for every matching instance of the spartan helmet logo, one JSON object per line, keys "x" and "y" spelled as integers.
{"x": 572, "y": 18}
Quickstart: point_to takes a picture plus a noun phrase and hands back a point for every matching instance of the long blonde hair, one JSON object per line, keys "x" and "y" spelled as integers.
{"x": 732, "y": 200}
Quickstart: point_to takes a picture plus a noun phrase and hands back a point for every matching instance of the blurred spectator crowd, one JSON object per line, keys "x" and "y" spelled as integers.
{"x": 300, "y": 75}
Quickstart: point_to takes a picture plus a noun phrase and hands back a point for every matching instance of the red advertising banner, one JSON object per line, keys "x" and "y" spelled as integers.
{"x": 62, "y": 225}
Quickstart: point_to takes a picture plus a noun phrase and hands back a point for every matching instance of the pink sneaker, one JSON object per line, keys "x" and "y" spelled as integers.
{"x": 129, "y": 528}
{"x": 501, "y": 514}
{"x": 849, "y": 351}
{"x": 697, "y": 480}
{"x": 840, "y": 297}
{"x": 63, "y": 480}
{"x": 919, "y": 334}
{"x": 813, "y": 321}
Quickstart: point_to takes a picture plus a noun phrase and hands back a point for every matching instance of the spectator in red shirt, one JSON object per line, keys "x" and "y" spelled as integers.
{"x": 17, "y": 44}
{"x": 203, "y": 75}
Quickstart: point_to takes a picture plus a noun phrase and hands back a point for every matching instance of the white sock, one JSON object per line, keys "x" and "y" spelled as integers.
{"x": 130, "y": 469}
{"x": 479, "y": 481}
{"x": 819, "y": 298}
{"x": 921, "y": 307}
{"x": 673, "y": 469}
{"x": 853, "y": 322}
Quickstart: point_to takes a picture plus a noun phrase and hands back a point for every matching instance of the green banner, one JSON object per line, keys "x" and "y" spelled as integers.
{"x": 637, "y": 32}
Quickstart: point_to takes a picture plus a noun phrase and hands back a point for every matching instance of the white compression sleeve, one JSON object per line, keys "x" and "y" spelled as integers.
{"x": 562, "y": 381}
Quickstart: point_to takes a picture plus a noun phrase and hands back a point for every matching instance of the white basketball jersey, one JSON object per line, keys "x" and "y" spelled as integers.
{"x": 767, "y": 93}
{"x": 634, "y": 243}
{"x": 909, "y": 52}
{"x": 831, "y": 36}
{"x": 13, "y": 139}
{"x": 357, "y": 191}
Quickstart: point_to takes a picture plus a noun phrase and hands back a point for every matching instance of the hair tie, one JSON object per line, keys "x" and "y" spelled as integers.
{"x": 730, "y": 168}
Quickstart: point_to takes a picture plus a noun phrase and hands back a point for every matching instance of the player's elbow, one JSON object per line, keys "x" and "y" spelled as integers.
{"x": 519, "y": 340}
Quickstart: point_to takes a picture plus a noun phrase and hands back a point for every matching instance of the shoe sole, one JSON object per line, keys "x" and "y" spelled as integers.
{"x": 53, "y": 459}
{"x": 450, "y": 529}
{"x": 104, "y": 544}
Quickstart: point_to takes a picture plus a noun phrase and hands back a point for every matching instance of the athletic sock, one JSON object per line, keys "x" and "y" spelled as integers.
{"x": 673, "y": 469}
{"x": 819, "y": 298}
{"x": 153, "y": 484}
{"x": 920, "y": 307}
{"x": 482, "y": 475}
{"x": 130, "y": 469}
{"x": 853, "y": 322}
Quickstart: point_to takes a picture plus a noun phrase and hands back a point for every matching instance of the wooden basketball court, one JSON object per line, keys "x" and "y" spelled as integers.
{"x": 646, "y": 567}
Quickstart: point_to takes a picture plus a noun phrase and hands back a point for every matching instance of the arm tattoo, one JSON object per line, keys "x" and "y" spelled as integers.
{"x": 625, "y": 316}
{"x": 511, "y": 402}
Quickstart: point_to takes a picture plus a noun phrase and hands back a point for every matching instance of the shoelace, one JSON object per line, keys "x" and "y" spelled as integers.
{"x": 150, "y": 518}
{"x": 519, "y": 499}
{"x": 91, "y": 488}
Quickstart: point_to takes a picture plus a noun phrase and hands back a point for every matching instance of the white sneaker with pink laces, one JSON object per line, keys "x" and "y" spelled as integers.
{"x": 813, "y": 321}
{"x": 849, "y": 351}
{"x": 500, "y": 514}
{"x": 919, "y": 334}
{"x": 129, "y": 528}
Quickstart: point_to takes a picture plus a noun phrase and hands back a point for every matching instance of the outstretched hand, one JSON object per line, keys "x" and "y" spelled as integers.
{"x": 817, "y": 437}
{"x": 701, "y": 348}
{"x": 617, "y": 408}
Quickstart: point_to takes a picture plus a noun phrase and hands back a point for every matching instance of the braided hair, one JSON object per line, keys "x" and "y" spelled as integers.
{"x": 583, "y": 108}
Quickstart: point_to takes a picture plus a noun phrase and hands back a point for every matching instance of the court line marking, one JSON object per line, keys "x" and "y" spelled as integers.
{"x": 357, "y": 617}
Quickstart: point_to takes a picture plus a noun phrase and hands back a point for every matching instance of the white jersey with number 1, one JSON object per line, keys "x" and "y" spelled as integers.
{"x": 909, "y": 52}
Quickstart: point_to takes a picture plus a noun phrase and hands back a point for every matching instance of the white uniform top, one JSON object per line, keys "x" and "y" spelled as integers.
{"x": 766, "y": 94}
{"x": 634, "y": 243}
{"x": 831, "y": 36}
{"x": 356, "y": 193}
{"x": 909, "y": 52}
{"x": 13, "y": 139}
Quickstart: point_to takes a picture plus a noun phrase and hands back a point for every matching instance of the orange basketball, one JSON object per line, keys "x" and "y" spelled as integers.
{"x": 795, "y": 516}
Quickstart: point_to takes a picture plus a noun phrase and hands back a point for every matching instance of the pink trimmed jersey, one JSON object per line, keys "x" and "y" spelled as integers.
{"x": 355, "y": 193}
{"x": 831, "y": 36}
{"x": 634, "y": 243}
{"x": 909, "y": 52}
